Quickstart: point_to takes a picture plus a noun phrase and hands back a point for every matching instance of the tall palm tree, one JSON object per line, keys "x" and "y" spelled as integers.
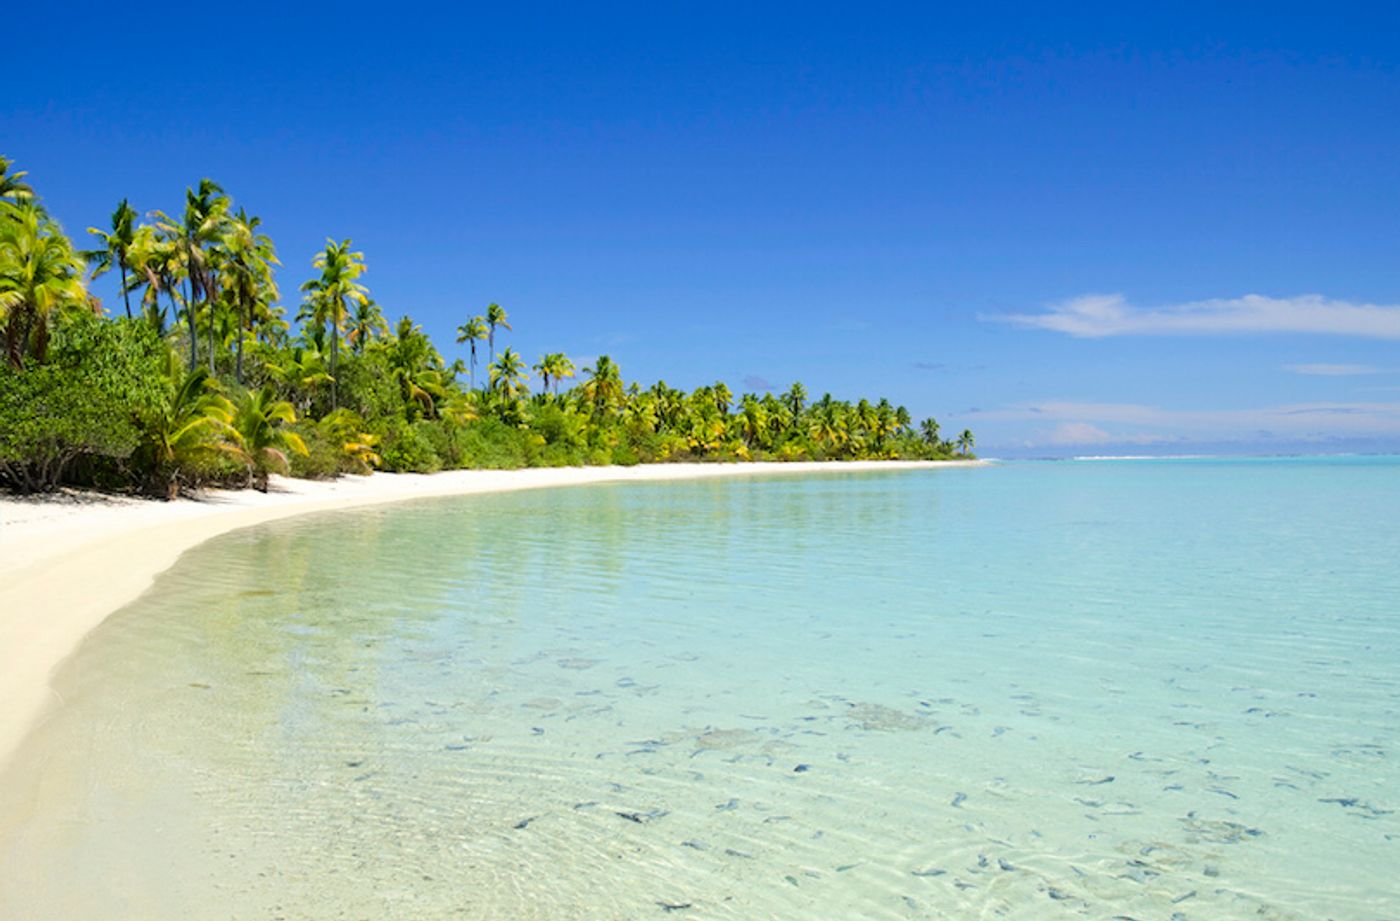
{"x": 495, "y": 316}
{"x": 885, "y": 422}
{"x": 247, "y": 275}
{"x": 795, "y": 398}
{"x": 508, "y": 375}
{"x": 553, "y": 367}
{"x": 723, "y": 397}
{"x": 753, "y": 420}
{"x": 471, "y": 332}
{"x": 966, "y": 441}
{"x": 928, "y": 429}
{"x": 329, "y": 296}
{"x": 153, "y": 264}
{"x": 603, "y": 389}
{"x": 199, "y": 230}
{"x": 41, "y": 275}
{"x": 116, "y": 244}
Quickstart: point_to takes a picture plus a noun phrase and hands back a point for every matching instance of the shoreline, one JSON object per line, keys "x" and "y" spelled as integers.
{"x": 69, "y": 562}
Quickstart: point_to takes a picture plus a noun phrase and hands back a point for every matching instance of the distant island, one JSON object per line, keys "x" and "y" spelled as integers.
{"x": 198, "y": 378}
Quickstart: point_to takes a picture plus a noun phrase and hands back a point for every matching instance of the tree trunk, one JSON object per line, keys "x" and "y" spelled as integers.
{"x": 335, "y": 351}
{"x": 238, "y": 364}
{"x": 209, "y": 298}
{"x": 126, "y": 295}
{"x": 13, "y": 341}
{"x": 194, "y": 333}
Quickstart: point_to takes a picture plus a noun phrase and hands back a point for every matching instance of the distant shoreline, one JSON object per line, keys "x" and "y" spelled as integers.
{"x": 69, "y": 561}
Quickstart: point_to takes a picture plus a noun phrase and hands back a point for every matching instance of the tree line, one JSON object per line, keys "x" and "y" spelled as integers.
{"x": 198, "y": 376}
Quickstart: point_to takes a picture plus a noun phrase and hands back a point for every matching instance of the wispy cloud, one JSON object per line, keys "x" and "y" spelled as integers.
{"x": 1078, "y": 433}
{"x": 944, "y": 366}
{"x": 1062, "y": 422}
{"x": 1096, "y": 316}
{"x": 1326, "y": 370}
{"x": 756, "y": 383}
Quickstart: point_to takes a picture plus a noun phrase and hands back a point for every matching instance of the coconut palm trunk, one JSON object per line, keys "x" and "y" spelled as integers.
{"x": 194, "y": 331}
{"x": 335, "y": 353}
{"x": 238, "y": 361}
{"x": 126, "y": 293}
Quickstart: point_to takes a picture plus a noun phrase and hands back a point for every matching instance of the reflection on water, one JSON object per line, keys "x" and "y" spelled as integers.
{"x": 1116, "y": 690}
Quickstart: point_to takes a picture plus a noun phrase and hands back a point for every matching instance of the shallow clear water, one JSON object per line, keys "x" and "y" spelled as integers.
{"x": 1132, "y": 689}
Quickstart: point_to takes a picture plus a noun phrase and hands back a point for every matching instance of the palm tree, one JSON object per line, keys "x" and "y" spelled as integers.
{"x": 929, "y": 430}
{"x": 795, "y": 399}
{"x": 328, "y": 295}
{"x": 263, "y": 439}
{"x": 829, "y": 425}
{"x": 604, "y": 387}
{"x": 723, "y": 397}
{"x": 753, "y": 420}
{"x": 508, "y": 375}
{"x": 470, "y": 332}
{"x": 885, "y": 422}
{"x": 554, "y": 366}
{"x": 153, "y": 263}
{"x": 13, "y": 188}
{"x": 41, "y": 275}
{"x": 416, "y": 365}
{"x": 966, "y": 441}
{"x": 192, "y": 425}
{"x": 199, "y": 231}
{"x": 641, "y": 413}
{"x": 356, "y": 445}
{"x": 116, "y": 244}
{"x": 247, "y": 273}
{"x": 300, "y": 370}
{"x": 366, "y": 324}
{"x": 495, "y": 316}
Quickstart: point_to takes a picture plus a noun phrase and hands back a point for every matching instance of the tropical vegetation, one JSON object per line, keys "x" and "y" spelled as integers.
{"x": 199, "y": 377}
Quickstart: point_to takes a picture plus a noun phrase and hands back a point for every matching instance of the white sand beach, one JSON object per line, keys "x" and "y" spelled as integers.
{"x": 69, "y": 560}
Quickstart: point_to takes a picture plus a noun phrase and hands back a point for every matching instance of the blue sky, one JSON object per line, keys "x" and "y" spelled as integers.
{"x": 1105, "y": 231}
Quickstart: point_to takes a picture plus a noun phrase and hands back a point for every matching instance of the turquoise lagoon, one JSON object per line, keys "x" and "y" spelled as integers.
{"x": 1135, "y": 689}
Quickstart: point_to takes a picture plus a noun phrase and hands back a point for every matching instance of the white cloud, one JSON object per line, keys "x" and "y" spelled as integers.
{"x": 1326, "y": 370}
{"x": 1131, "y": 423}
{"x": 1095, "y": 316}
{"x": 1078, "y": 433}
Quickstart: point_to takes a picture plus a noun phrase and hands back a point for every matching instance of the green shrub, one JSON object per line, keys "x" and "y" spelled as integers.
{"x": 84, "y": 403}
{"x": 324, "y": 457}
{"x": 625, "y": 455}
{"x": 408, "y": 448}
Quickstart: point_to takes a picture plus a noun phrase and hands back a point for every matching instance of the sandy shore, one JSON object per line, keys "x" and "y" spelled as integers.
{"x": 68, "y": 561}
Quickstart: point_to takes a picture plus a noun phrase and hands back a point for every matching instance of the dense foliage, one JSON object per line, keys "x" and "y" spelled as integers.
{"x": 201, "y": 379}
